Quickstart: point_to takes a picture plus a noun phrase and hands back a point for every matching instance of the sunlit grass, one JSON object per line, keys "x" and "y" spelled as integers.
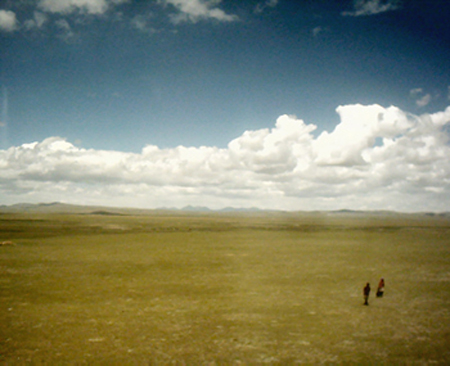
{"x": 199, "y": 290}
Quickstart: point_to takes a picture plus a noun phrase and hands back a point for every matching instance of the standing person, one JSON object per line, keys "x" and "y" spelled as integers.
{"x": 366, "y": 294}
{"x": 380, "y": 290}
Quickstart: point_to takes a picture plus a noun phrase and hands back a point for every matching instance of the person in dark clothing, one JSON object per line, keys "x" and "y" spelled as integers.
{"x": 366, "y": 292}
{"x": 380, "y": 290}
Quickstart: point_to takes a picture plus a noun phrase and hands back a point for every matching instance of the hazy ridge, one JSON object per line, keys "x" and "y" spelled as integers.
{"x": 65, "y": 208}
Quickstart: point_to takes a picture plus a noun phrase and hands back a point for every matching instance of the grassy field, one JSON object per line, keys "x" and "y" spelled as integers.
{"x": 223, "y": 289}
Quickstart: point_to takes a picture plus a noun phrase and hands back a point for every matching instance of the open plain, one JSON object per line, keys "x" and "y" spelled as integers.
{"x": 223, "y": 288}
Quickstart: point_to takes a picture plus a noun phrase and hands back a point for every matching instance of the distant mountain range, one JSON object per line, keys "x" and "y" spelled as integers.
{"x": 64, "y": 208}
{"x": 58, "y": 207}
{"x": 225, "y": 209}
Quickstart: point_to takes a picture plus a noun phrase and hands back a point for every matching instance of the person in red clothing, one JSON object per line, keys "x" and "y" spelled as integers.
{"x": 380, "y": 290}
{"x": 366, "y": 292}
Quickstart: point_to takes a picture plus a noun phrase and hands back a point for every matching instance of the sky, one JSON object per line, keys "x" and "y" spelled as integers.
{"x": 275, "y": 104}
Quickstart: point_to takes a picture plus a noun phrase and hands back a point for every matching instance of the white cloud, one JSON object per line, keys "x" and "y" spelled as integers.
{"x": 423, "y": 101}
{"x": 142, "y": 23}
{"x": 420, "y": 97}
{"x": 317, "y": 30}
{"x": 185, "y": 11}
{"x": 39, "y": 19}
{"x": 8, "y": 21}
{"x": 66, "y": 32}
{"x": 415, "y": 92}
{"x": 195, "y": 10}
{"x": 371, "y": 7}
{"x": 376, "y": 158}
{"x": 260, "y": 7}
{"x": 68, "y": 6}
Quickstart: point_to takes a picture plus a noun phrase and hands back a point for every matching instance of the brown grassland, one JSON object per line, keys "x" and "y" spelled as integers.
{"x": 205, "y": 289}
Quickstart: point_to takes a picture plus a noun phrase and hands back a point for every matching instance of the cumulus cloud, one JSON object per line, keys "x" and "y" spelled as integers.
{"x": 371, "y": 7}
{"x": 375, "y": 158}
{"x": 195, "y": 10}
{"x": 179, "y": 11}
{"x": 8, "y": 21}
{"x": 87, "y": 6}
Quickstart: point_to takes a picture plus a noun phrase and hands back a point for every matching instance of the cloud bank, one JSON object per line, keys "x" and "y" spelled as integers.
{"x": 192, "y": 10}
{"x": 180, "y": 11}
{"x": 376, "y": 158}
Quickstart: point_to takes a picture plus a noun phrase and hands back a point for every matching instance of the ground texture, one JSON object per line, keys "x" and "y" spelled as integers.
{"x": 223, "y": 289}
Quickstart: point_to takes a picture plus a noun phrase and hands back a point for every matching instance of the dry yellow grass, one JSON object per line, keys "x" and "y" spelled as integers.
{"x": 223, "y": 289}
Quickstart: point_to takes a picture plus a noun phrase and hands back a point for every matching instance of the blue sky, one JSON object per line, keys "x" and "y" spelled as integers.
{"x": 107, "y": 80}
